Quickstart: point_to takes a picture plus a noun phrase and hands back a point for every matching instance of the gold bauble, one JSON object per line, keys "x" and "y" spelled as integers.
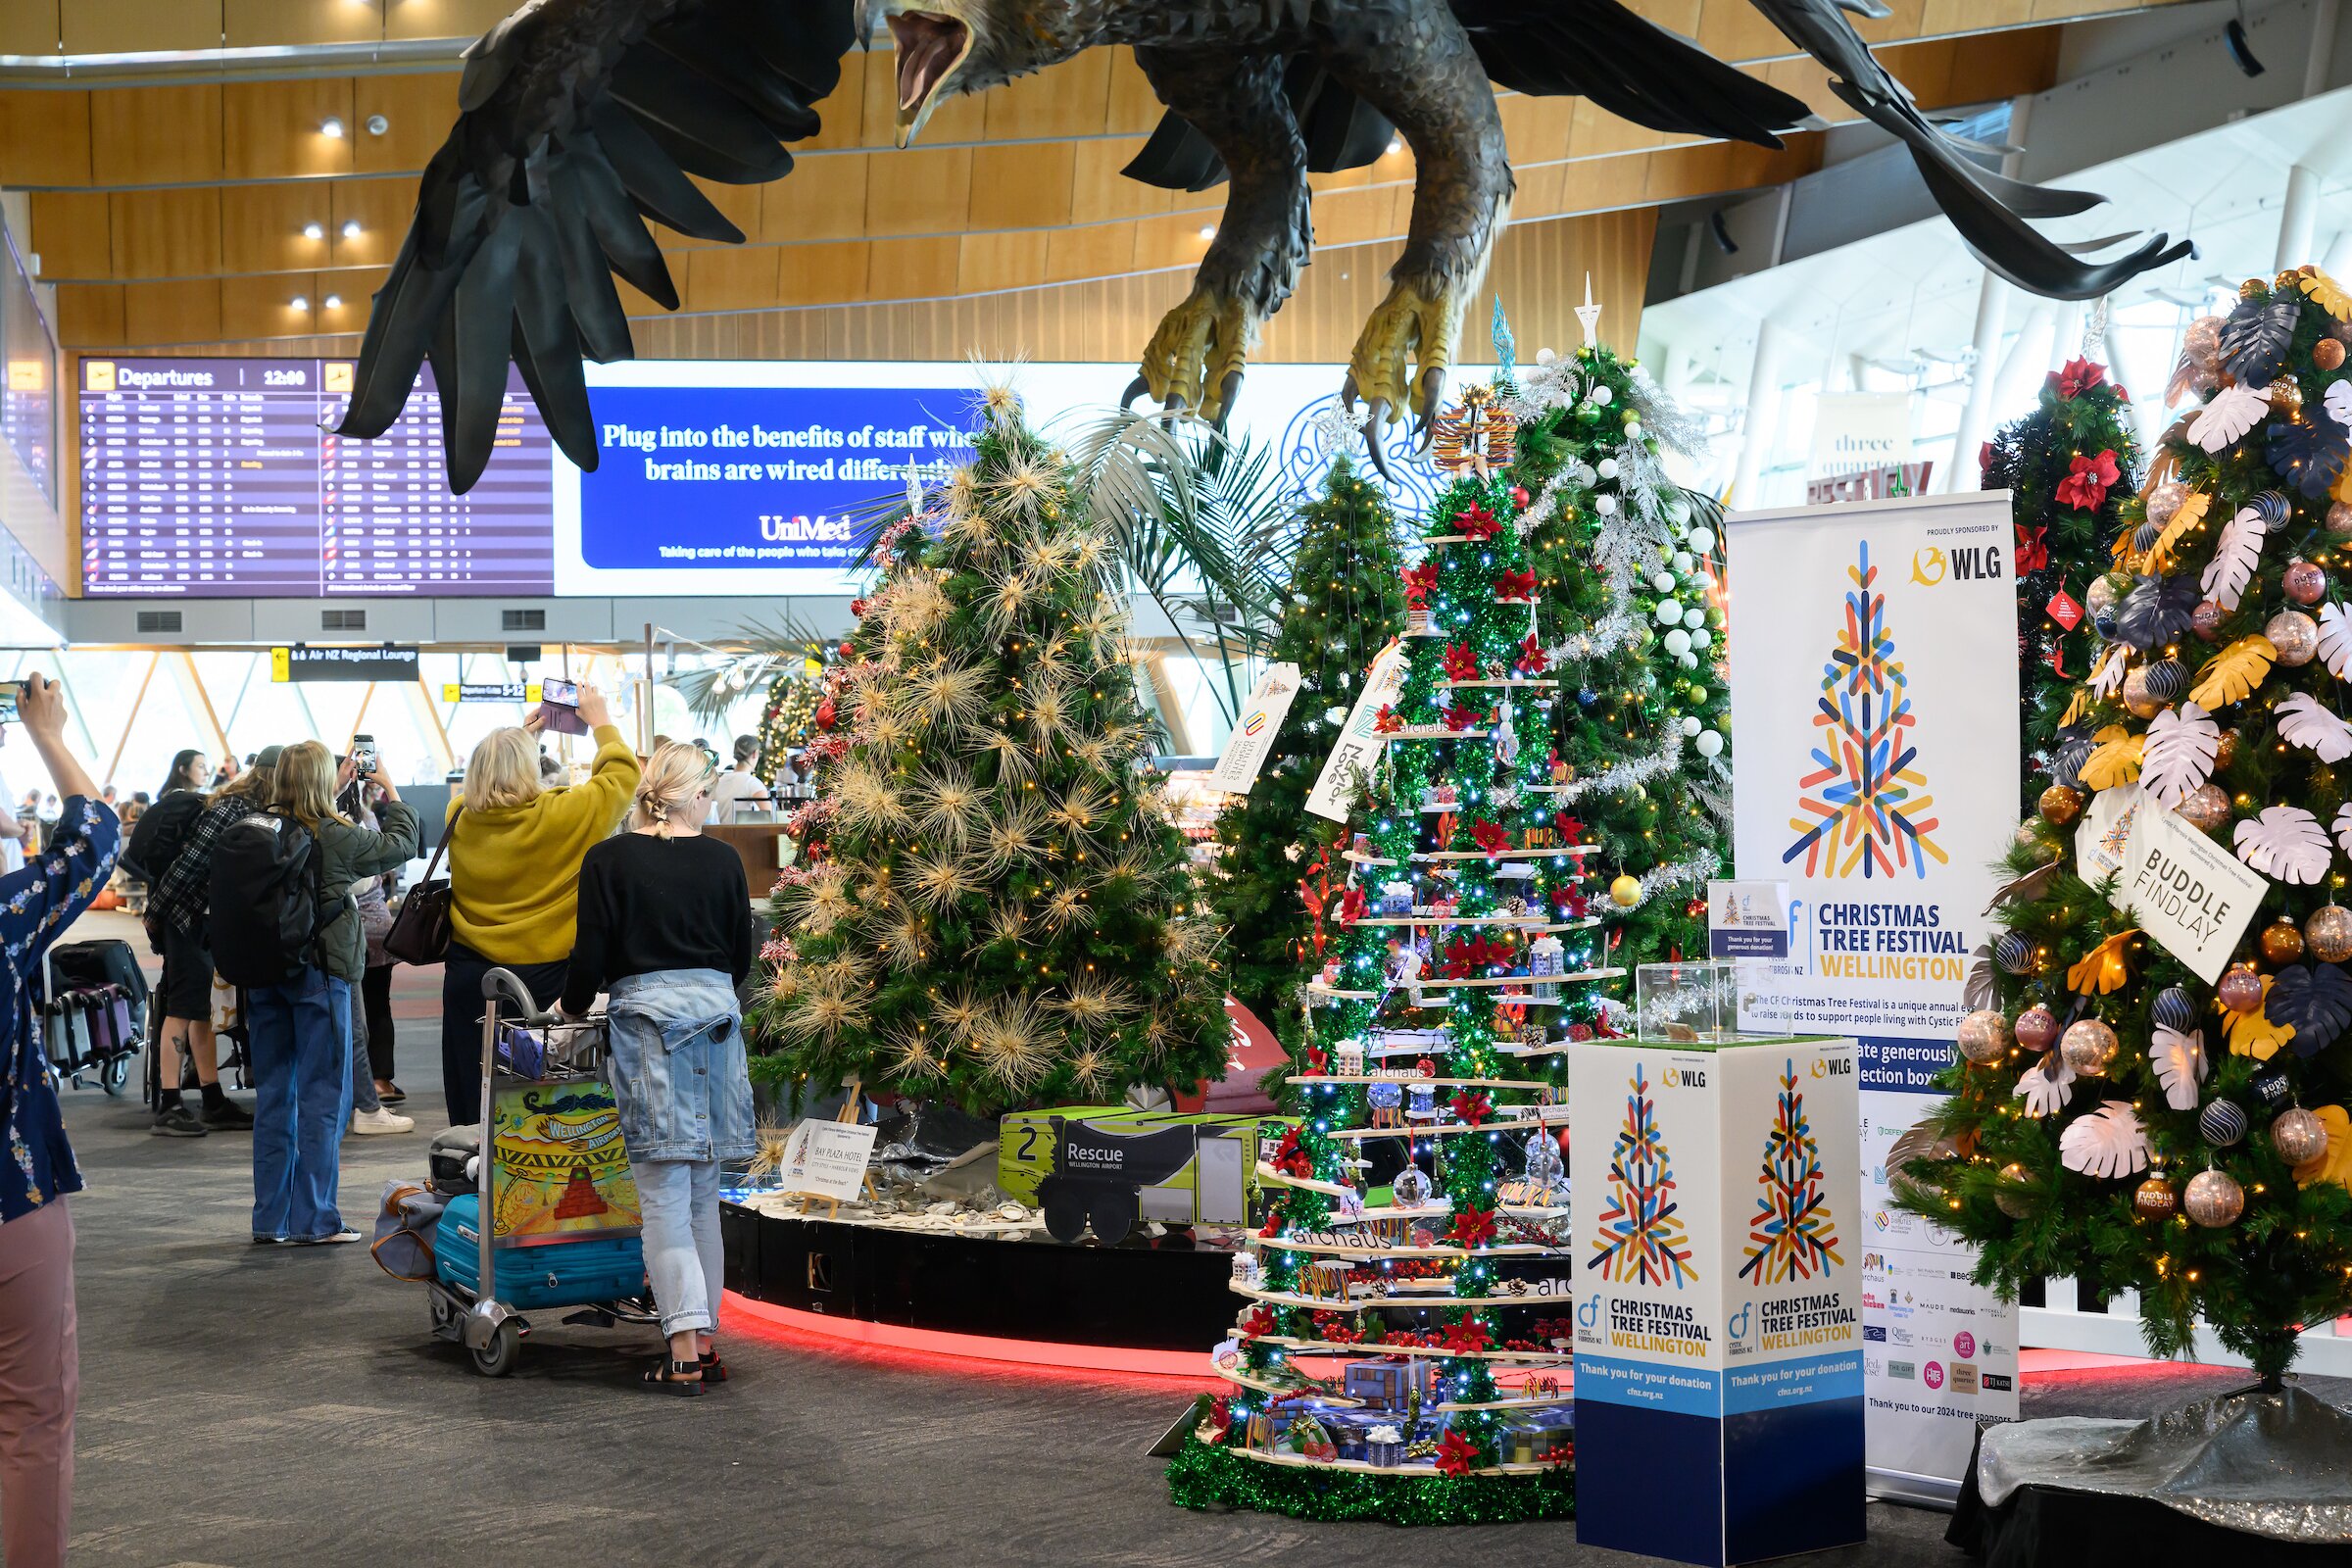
{"x": 2287, "y": 398}
{"x": 2087, "y": 1046}
{"x": 1984, "y": 1035}
{"x": 2299, "y": 1135}
{"x": 2154, "y": 1199}
{"x": 2282, "y": 942}
{"x": 2328, "y": 933}
{"x": 2295, "y": 635}
{"x": 2214, "y": 1198}
{"x": 2225, "y": 755}
{"x": 1626, "y": 892}
{"x": 2059, "y": 805}
{"x": 2205, "y": 807}
{"x": 2014, "y": 1195}
{"x": 2137, "y": 698}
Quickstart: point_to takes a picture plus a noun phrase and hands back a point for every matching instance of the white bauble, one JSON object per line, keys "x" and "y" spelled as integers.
{"x": 1662, "y": 582}
{"x": 1633, "y": 429}
{"x": 1606, "y": 506}
{"x": 1678, "y": 511}
{"x": 1687, "y": 660}
{"x": 1683, "y": 561}
{"x": 1601, "y": 393}
{"x": 1690, "y": 724}
{"x": 1678, "y": 641}
{"x": 1545, "y": 355}
{"x": 1670, "y": 613}
{"x": 1710, "y": 744}
{"x": 1701, "y": 540}
{"x": 1694, "y": 617}
{"x": 1702, "y": 639}
{"x": 1607, "y": 467}
{"x": 1335, "y": 714}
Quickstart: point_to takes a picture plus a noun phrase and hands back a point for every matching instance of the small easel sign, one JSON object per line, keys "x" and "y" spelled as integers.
{"x": 826, "y": 1160}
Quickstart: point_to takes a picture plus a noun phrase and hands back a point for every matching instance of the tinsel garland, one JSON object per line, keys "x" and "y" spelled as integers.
{"x": 1682, "y": 873}
{"x": 1625, "y": 775}
{"x": 1205, "y": 1476}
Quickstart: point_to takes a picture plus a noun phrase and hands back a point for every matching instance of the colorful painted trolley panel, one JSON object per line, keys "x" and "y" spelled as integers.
{"x": 562, "y": 1172}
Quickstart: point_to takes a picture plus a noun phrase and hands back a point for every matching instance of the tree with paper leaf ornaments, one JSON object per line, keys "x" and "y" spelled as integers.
{"x": 1003, "y": 915}
{"x": 2069, "y": 467}
{"x": 1632, "y": 620}
{"x": 1347, "y": 601}
{"x": 2113, "y": 1116}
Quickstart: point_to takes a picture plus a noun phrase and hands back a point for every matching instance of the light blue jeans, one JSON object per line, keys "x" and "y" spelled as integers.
{"x": 683, "y": 1254}
{"x": 301, "y": 1045}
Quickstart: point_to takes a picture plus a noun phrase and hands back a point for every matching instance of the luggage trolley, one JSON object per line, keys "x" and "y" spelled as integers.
{"x": 553, "y": 1179}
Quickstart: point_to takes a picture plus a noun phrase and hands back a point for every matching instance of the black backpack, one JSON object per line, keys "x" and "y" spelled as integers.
{"x": 266, "y": 908}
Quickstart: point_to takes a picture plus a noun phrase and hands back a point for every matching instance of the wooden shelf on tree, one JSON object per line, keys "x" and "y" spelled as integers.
{"x": 1524, "y": 922}
{"x": 1434, "y": 732}
{"x": 1397, "y": 1078}
{"x": 1442, "y": 1129}
{"x": 1325, "y": 1249}
{"x": 1337, "y": 1401}
{"x": 1435, "y": 856}
{"x": 1417, "y": 1302}
{"x": 1316, "y": 988}
{"x": 1301, "y": 1461}
{"x": 1524, "y": 685}
{"x": 1439, "y": 1351}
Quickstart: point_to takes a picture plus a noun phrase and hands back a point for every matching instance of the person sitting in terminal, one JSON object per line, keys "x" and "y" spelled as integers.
{"x": 739, "y": 786}
{"x": 515, "y": 848}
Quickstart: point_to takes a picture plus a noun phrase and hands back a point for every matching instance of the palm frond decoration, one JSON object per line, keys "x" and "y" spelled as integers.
{"x": 753, "y": 657}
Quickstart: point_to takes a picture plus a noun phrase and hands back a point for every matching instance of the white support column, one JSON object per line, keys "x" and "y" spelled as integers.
{"x": 1761, "y": 420}
{"x": 2067, "y": 341}
{"x": 2297, "y": 217}
{"x": 1992, "y": 311}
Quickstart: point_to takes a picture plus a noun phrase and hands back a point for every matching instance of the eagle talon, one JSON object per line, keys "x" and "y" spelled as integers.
{"x": 1136, "y": 388}
{"x": 1199, "y": 350}
{"x": 1228, "y": 392}
{"x": 1372, "y": 431}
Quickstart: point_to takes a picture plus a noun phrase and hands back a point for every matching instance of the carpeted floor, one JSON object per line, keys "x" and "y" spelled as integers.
{"x": 245, "y": 1406}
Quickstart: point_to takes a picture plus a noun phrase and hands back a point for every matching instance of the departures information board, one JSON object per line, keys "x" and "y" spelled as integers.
{"x": 221, "y": 479}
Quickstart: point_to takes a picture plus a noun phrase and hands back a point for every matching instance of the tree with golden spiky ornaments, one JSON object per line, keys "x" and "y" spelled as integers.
{"x": 1003, "y": 915}
{"x": 1457, "y": 954}
{"x": 2113, "y": 1115}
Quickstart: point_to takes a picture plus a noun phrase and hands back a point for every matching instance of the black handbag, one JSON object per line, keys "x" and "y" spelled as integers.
{"x": 420, "y": 931}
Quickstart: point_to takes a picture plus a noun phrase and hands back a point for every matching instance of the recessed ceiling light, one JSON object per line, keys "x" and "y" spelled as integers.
{"x": 331, "y": 126}
{"x": 1395, "y": 146}
{"x": 1209, "y": 231}
{"x": 333, "y": 302}
{"x": 313, "y": 232}
{"x": 377, "y": 124}
{"x": 350, "y": 228}
{"x": 298, "y": 302}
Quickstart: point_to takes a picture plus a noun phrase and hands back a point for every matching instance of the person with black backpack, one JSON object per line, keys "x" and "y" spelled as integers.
{"x": 286, "y": 931}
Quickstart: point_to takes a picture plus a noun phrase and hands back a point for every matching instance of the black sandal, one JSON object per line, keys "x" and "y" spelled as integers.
{"x": 714, "y": 1369}
{"x": 673, "y": 1377}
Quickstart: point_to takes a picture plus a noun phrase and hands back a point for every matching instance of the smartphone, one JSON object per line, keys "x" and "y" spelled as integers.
{"x": 363, "y": 756}
{"x": 9, "y": 692}
{"x": 560, "y": 706}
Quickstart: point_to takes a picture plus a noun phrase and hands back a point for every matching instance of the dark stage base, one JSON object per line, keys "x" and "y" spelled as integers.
{"x": 1152, "y": 1297}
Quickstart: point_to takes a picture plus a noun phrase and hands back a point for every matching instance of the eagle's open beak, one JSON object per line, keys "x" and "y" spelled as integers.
{"x": 931, "y": 48}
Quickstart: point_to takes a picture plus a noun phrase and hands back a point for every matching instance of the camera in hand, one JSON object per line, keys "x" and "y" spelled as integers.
{"x": 10, "y": 690}
{"x": 560, "y": 706}
{"x": 363, "y": 756}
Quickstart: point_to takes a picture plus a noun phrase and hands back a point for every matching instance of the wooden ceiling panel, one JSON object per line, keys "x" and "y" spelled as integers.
{"x": 417, "y": 111}
{"x": 442, "y": 18}
{"x": 273, "y": 129}
{"x": 1068, "y": 100}
{"x": 380, "y": 207}
{"x": 987, "y": 263}
{"x": 1096, "y": 250}
{"x": 89, "y": 316}
{"x": 919, "y": 191}
{"x": 44, "y": 139}
{"x": 263, "y": 307}
{"x": 265, "y": 24}
{"x": 1733, "y": 30}
{"x": 818, "y": 274}
{"x": 262, "y": 227}
{"x": 1099, "y": 191}
{"x": 823, "y": 198}
{"x": 841, "y": 115}
{"x": 729, "y": 278}
{"x": 912, "y": 268}
{"x": 138, "y": 27}
{"x": 183, "y": 311}
{"x": 1026, "y": 186}
{"x": 1131, "y": 107}
{"x": 28, "y": 26}
{"x": 154, "y": 135}
{"x": 73, "y": 232}
{"x": 166, "y": 233}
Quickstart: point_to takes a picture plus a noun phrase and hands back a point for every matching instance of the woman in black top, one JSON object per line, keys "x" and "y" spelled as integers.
{"x": 665, "y": 928}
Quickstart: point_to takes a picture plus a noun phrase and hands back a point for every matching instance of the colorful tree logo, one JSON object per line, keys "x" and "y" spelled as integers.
{"x": 1792, "y": 1235}
{"x": 1866, "y": 819}
{"x": 1642, "y": 1238}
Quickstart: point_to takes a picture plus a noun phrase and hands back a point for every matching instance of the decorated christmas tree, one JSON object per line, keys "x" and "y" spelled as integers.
{"x": 1347, "y": 603}
{"x": 1632, "y": 622}
{"x": 1397, "y": 1353}
{"x": 2150, "y": 1096}
{"x": 2070, "y": 468}
{"x": 1000, "y": 915}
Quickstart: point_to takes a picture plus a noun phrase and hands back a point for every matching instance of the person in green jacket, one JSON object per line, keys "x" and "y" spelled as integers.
{"x": 301, "y": 1031}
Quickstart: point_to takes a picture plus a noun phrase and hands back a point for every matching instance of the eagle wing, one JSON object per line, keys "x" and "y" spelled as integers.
{"x": 580, "y": 119}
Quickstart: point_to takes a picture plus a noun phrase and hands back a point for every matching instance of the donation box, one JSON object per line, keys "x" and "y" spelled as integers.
{"x": 1718, "y": 1296}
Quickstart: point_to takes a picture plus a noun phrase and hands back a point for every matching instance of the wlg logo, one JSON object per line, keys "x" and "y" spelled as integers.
{"x": 1927, "y": 566}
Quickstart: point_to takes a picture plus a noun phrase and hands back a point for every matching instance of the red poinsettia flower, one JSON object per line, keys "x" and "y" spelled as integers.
{"x": 2086, "y": 486}
{"x": 1420, "y": 582}
{"x": 1458, "y": 719}
{"x": 2078, "y": 377}
{"x": 1515, "y": 585}
{"x": 1490, "y": 836}
{"x": 1386, "y": 721}
{"x": 1353, "y": 904}
{"x": 1468, "y": 1337}
{"x": 1570, "y": 830}
{"x": 1461, "y": 663}
{"x": 1477, "y": 522}
{"x": 1259, "y": 1323}
{"x": 1471, "y": 1226}
{"x": 1472, "y": 1106}
{"x": 1456, "y": 1454}
{"x": 1318, "y": 1061}
{"x": 2032, "y": 548}
{"x": 1533, "y": 661}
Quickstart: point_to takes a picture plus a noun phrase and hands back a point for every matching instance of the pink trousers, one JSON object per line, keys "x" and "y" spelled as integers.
{"x": 40, "y": 1375}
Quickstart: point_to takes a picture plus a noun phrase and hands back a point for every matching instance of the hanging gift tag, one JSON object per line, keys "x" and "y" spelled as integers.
{"x": 2065, "y": 610}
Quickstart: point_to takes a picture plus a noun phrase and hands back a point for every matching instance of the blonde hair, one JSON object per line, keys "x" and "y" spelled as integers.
{"x": 669, "y": 785}
{"x": 255, "y": 784}
{"x": 306, "y": 785}
{"x": 504, "y": 770}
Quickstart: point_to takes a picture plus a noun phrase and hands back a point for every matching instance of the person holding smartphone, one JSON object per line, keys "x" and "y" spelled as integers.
{"x": 514, "y": 846}
{"x": 39, "y": 1361}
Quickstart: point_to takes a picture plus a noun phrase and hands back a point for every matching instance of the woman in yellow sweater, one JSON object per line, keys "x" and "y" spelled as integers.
{"x": 514, "y": 853}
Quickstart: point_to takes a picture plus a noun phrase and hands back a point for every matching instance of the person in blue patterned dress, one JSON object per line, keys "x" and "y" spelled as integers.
{"x": 39, "y": 1370}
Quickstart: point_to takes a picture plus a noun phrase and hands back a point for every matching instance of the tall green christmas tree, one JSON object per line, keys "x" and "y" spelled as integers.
{"x": 1001, "y": 915}
{"x": 2071, "y": 467}
{"x": 1347, "y": 603}
{"x": 1632, "y": 618}
{"x": 2116, "y": 1115}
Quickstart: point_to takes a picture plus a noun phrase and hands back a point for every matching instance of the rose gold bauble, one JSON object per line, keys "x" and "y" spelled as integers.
{"x": 2154, "y": 1199}
{"x": 2328, "y": 353}
{"x": 2299, "y": 1135}
{"x": 2036, "y": 1028}
{"x": 2225, "y": 753}
{"x": 1984, "y": 1035}
{"x": 2142, "y": 702}
{"x": 2340, "y": 518}
{"x": 2295, "y": 635}
{"x": 2059, "y": 805}
{"x": 2305, "y": 583}
{"x": 2100, "y": 596}
{"x": 2282, "y": 942}
{"x": 2240, "y": 990}
{"x": 2087, "y": 1046}
{"x": 2205, "y": 807}
{"x": 2206, "y": 620}
{"x": 2214, "y": 1198}
{"x": 2328, "y": 933}
{"x": 2201, "y": 344}
{"x": 2165, "y": 500}
{"x": 2008, "y": 1198}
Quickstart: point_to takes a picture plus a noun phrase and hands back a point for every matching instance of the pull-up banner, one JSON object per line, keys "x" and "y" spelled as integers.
{"x": 1872, "y": 652}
